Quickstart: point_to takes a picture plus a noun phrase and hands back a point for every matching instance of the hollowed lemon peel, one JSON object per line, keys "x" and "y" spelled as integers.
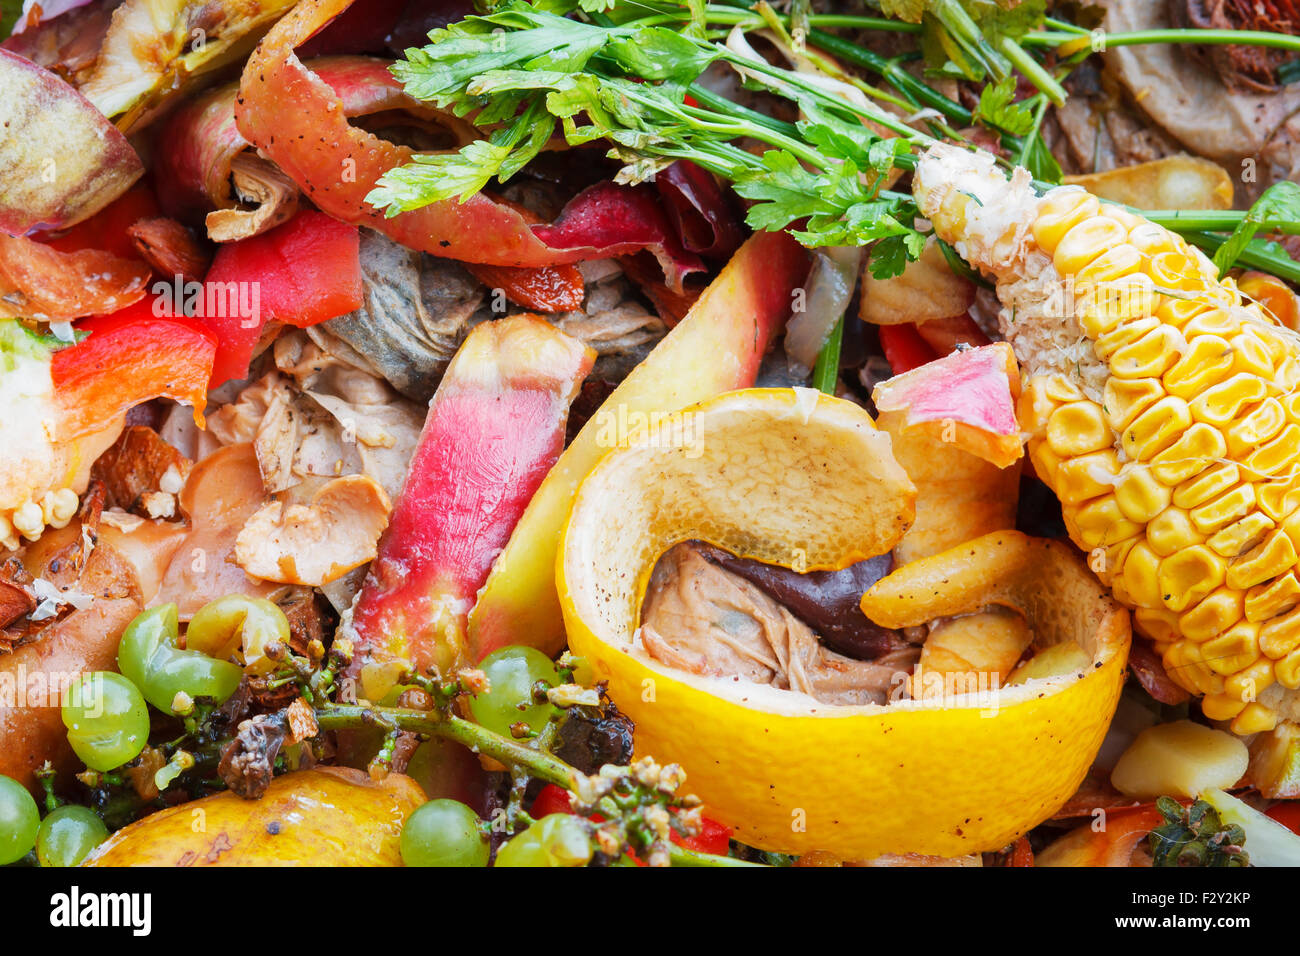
{"x": 804, "y": 480}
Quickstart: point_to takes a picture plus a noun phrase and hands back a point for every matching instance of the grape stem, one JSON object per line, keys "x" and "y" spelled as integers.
{"x": 480, "y": 740}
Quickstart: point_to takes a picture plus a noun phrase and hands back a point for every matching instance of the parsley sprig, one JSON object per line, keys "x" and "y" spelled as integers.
{"x": 525, "y": 73}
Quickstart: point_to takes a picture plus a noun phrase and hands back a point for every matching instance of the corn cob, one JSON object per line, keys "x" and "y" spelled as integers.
{"x": 1162, "y": 408}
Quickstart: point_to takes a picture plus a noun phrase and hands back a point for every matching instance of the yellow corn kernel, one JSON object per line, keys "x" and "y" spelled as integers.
{"x": 1174, "y": 270}
{"x": 1218, "y": 322}
{"x": 1188, "y": 575}
{"x": 1123, "y": 400}
{"x": 1105, "y": 346}
{"x": 1254, "y": 719}
{"x": 1216, "y": 612}
{"x": 1223, "y": 510}
{"x": 1235, "y": 649}
{"x": 1277, "y": 499}
{"x": 1077, "y": 429}
{"x": 1140, "y": 570}
{"x": 1250, "y": 356}
{"x": 1100, "y": 523}
{"x": 1240, "y": 536}
{"x": 1255, "y": 427}
{"x": 1277, "y": 457}
{"x": 1087, "y": 476}
{"x": 1128, "y": 220}
{"x": 1266, "y": 560}
{"x": 1149, "y": 238}
{"x": 1286, "y": 374}
{"x": 1101, "y": 307}
{"x": 1178, "y": 312}
{"x": 1115, "y": 558}
{"x": 1198, "y": 448}
{"x": 1171, "y": 531}
{"x": 1291, "y": 405}
{"x": 28, "y": 521}
{"x": 1085, "y": 242}
{"x": 1156, "y": 429}
{"x": 1249, "y": 682}
{"x": 1150, "y": 356}
{"x": 9, "y": 539}
{"x": 1221, "y": 403}
{"x": 1279, "y": 636}
{"x": 1287, "y": 671}
{"x": 1204, "y": 487}
{"x": 1158, "y": 624}
{"x": 1207, "y": 361}
{"x": 1140, "y": 496}
{"x": 1115, "y": 263}
{"x": 1045, "y": 463}
{"x": 1221, "y": 707}
{"x": 1035, "y": 408}
{"x": 1059, "y": 211}
{"x": 1276, "y": 597}
{"x": 1060, "y": 389}
{"x": 1197, "y": 674}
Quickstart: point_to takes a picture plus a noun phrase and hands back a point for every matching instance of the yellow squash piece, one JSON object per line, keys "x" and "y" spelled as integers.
{"x": 1162, "y": 408}
{"x": 332, "y": 816}
{"x": 800, "y": 479}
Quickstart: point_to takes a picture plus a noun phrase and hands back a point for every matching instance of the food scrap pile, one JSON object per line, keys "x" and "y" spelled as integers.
{"x": 587, "y": 433}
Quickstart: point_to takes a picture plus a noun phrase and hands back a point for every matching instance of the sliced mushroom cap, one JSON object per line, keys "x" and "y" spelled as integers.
{"x": 318, "y": 542}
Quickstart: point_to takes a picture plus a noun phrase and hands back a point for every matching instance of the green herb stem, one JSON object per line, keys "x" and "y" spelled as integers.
{"x": 1033, "y": 71}
{"x": 1279, "y": 41}
{"x": 826, "y": 373}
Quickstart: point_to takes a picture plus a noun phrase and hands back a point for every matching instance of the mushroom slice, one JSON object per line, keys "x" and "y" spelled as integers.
{"x": 318, "y": 542}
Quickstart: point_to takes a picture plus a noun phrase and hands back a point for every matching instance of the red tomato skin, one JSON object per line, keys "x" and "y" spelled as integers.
{"x": 301, "y": 273}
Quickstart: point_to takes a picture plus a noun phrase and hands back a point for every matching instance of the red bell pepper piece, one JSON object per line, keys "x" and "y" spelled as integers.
{"x": 128, "y": 358}
{"x": 301, "y": 273}
{"x": 904, "y": 348}
{"x": 107, "y": 229}
{"x": 495, "y": 427}
{"x": 713, "y": 838}
{"x": 944, "y": 335}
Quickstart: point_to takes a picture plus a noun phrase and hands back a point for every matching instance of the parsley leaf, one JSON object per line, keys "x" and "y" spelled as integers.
{"x": 999, "y": 109}
{"x": 1279, "y": 201}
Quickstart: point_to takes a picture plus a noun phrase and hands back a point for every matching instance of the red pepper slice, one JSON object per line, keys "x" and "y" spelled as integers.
{"x": 128, "y": 358}
{"x": 301, "y": 273}
{"x": 495, "y": 427}
{"x": 904, "y": 348}
{"x": 107, "y": 229}
{"x": 944, "y": 335}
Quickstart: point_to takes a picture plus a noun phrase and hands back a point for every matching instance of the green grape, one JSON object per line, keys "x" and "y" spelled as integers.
{"x": 19, "y": 820}
{"x": 511, "y": 673}
{"x": 559, "y": 839}
{"x": 107, "y": 720}
{"x": 443, "y": 833}
{"x": 148, "y": 656}
{"x": 240, "y": 626}
{"x": 68, "y": 834}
